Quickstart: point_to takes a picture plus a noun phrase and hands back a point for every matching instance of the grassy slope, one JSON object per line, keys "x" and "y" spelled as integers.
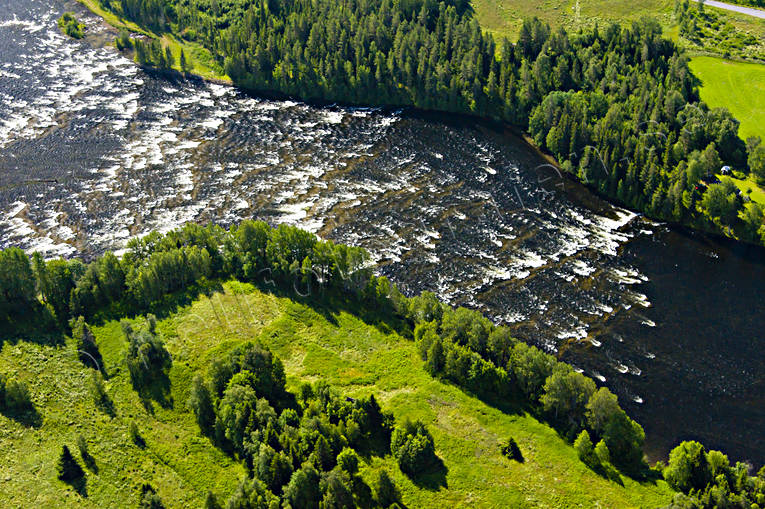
{"x": 338, "y": 347}
{"x": 200, "y": 61}
{"x": 738, "y": 86}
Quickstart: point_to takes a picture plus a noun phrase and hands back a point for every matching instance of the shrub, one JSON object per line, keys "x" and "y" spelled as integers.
{"x": 688, "y": 467}
{"x": 585, "y": 450}
{"x": 70, "y": 26}
{"x": 147, "y": 358}
{"x": 85, "y": 344}
{"x": 149, "y": 498}
{"x": 17, "y": 397}
{"x": 413, "y": 447}
{"x": 348, "y": 461}
{"x": 134, "y": 434}
{"x": 200, "y": 402}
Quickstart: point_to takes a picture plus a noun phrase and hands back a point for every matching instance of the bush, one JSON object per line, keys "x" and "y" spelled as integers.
{"x": 147, "y": 358}
{"x": 200, "y": 402}
{"x": 149, "y": 498}
{"x": 688, "y": 468}
{"x": 413, "y": 447}
{"x": 585, "y": 450}
{"x": 70, "y": 26}
{"x": 17, "y": 397}
{"x": 123, "y": 41}
{"x": 85, "y": 344}
{"x": 135, "y": 435}
{"x": 348, "y": 461}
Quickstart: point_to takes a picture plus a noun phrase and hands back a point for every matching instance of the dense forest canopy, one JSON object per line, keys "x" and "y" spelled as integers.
{"x": 617, "y": 106}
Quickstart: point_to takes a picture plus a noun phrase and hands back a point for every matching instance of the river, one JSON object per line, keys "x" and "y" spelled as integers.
{"x": 94, "y": 151}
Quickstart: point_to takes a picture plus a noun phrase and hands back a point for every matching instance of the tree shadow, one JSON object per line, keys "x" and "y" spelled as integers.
{"x": 166, "y": 306}
{"x": 434, "y": 478}
{"x": 38, "y": 326}
{"x": 90, "y": 462}
{"x": 106, "y": 405}
{"x": 158, "y": 391}
{"x": 328, "y": 301}
{"x": 80, "y": 485}
{"x": 28, "y": 417}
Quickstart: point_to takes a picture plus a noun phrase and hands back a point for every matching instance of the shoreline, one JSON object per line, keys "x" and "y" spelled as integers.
{"x": 498, "y": 124}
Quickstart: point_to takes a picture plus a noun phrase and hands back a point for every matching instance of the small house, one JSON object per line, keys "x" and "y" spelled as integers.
{"x": 725, "y": 170}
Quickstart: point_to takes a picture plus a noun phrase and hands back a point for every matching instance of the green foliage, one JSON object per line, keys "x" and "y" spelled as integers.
{"x": 348, "y": 461}
{"x": 756, "y": 162}
{"x": 602, "y": 407}
{"x": 602, "y": 452}
{"x": 134, "y": 434}
{"x": 708, "y": 30}
{"x": 201, "y": 403}
{"x": 413, "y": 447}
{"x": 85, "y": 345}
{"x": 688, "y": 468}
{"x": 15, "y": 396}
{"x": 70, "y": 26}
{"x": 585, "y": 450}
{"x": 211, "y": 502}
{"x": 149, "y": 498}
{"x": 721, "y": 202}
{"x": 530, "y": 367}
{"x": 147, "y": 358}
{"x": 185, "y": 67}
{"x": 123, "y": 41}
{"x": 303, "y": 488}
{"x": 339, "y": 348}
{"x": 17, "y": 283}
{"x": 567, "y": 393}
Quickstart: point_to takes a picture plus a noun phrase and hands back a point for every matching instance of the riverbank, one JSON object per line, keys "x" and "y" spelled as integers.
{"x": 200, "y": 61}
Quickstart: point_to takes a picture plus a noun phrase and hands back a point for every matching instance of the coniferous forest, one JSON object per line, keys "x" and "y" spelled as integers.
{"x": 616, "y": 105}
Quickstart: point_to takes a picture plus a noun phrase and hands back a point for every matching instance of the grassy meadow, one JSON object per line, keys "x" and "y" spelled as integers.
{"x": 315, "y": 342}
{"x": 738, "y": 86}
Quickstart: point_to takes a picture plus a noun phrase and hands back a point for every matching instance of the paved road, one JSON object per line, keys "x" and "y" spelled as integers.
{"x": 757, "y": 13}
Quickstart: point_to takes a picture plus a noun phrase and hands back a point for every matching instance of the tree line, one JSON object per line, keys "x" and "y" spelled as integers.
{"x": 462, "y": 346}
{"x": 618, "y": 107}
{"x": 242, "y": 403}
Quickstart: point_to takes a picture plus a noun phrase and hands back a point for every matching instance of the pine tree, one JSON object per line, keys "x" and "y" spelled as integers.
{"x": 184, "y": 63}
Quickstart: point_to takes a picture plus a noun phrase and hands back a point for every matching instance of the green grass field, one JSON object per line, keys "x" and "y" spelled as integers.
{"x": 749, "y": 188}
{"x": 314, "y": 343}
{"x": 738, "y": 86}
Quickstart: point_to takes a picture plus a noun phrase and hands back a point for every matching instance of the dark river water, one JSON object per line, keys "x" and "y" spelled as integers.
{"x": 94, "y": 150}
